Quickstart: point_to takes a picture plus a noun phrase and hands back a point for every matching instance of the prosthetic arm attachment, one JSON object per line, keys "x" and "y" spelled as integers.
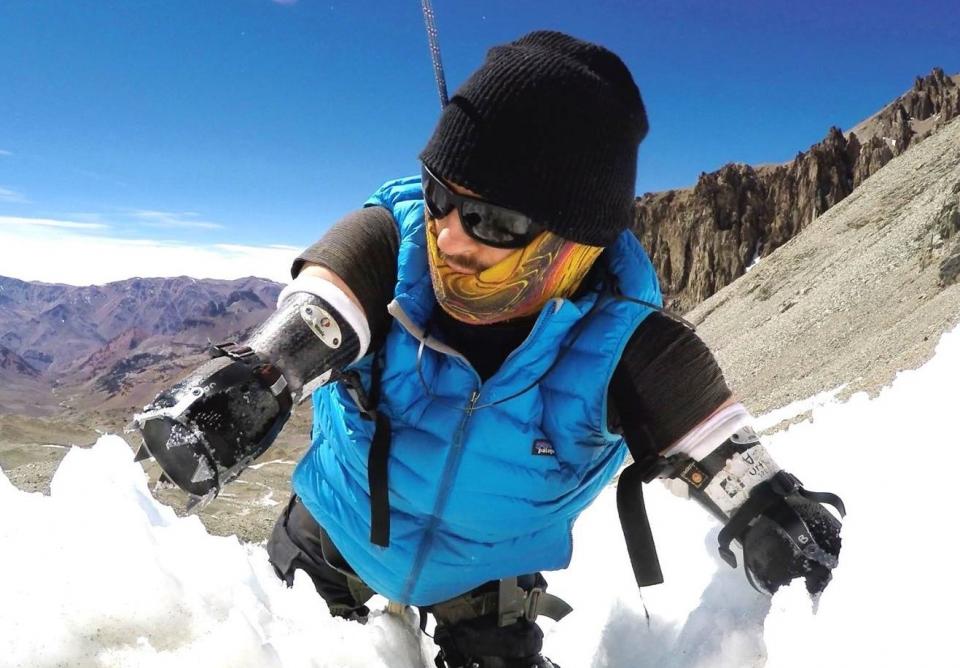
{"x": 213, "y": 423}
{"x": 784, "y": 529}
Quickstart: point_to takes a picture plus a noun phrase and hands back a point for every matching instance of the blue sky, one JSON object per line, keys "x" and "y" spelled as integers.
{"x": 256, "y": 123}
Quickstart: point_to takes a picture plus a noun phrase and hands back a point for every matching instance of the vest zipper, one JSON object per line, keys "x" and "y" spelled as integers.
{"x": 446, "y": 483}
{"x": 453, "y": 458}
{"x": 473, "y": 402}
{"x": 556, "y": 304}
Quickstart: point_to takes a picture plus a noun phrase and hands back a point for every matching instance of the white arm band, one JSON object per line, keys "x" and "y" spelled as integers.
{"x": 338, "y": 299}
{"x": 712, "y": 432}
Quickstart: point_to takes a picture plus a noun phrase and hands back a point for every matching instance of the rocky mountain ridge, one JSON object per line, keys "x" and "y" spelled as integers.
{"x": 702, "y": 238}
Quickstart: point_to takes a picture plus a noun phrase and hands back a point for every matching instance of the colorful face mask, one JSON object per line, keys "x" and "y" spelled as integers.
{"x": 518, "y": 285}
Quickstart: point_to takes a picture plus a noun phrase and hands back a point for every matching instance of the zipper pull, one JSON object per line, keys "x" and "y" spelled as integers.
{"x": 473, "y": 401}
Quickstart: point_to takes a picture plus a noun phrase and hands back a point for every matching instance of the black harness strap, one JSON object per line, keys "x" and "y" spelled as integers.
{"x": 636, "y": 527}
{"x": 762, "y": 497}
{"x": 630, "y": 506}
{"x": 379, "y": 458}
{"x": 377, "y": 479}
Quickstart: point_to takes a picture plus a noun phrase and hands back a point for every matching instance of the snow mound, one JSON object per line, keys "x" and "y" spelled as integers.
{"x": 100, "y": 574}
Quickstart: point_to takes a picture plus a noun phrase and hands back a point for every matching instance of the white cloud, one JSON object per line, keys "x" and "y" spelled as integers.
{"x": 56, "y": 254}
{"x": 178, "y": 219}
{"x": 2, "y": 152}
{"x": 12, "y": 196}
{"x": 21, "y": 221}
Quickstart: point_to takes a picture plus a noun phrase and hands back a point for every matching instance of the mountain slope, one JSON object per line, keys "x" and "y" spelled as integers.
{"x": 864, "y": 292}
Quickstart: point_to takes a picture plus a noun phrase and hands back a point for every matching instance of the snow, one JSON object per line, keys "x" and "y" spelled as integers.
{"x": 100, "y": 574}
{"x": 272, "y": 461}
{"x": 755, "y": 258}
{"x": 793, "y": 409}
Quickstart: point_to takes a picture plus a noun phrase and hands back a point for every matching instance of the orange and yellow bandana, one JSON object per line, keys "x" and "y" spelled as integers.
{"x": 518, "y": 285}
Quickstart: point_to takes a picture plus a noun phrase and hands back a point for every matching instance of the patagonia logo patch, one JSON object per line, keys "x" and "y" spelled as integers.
{"x": 542, "y": 446}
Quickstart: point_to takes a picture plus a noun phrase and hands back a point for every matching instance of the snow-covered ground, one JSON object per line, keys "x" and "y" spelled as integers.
{"x": 100, "y": 574}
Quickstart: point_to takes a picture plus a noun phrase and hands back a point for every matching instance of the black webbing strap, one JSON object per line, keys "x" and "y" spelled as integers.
{"x": 377, "y": 479}
{"x": 761, "y": 498}
{"x": 636, "y": 527}
{"x": 271, "y": 379}
{"x": 630, "y": 506}
{"x": 765, "y": 495}
{"x": 379, "y": 456}
{"x": 825, "y": 497}
{"x": 798, "y": 531}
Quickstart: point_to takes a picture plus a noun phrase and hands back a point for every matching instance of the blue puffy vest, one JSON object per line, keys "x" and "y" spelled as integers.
{"x": 485, "y": 479}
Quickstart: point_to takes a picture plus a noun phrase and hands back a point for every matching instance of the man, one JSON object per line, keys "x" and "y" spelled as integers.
{"x": 496, "y": 333}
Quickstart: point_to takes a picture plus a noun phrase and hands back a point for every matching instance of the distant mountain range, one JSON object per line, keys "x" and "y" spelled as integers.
{"x": 702, "y": 238}
{"x": 109, "y": 346}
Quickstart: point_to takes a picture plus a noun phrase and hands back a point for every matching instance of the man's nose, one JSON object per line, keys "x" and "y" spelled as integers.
{"x": 452, "y": 239}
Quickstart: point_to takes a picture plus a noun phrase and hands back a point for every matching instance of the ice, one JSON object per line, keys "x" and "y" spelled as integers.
{"x": 99, "y": 574}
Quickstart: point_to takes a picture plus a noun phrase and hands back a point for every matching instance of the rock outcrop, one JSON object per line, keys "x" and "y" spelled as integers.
{"x": 866, "y": 291}
{"x": 702, "y": 238}
{"x": 14, "y": 364}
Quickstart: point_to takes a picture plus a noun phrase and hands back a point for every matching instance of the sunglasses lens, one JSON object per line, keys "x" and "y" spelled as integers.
{"x": 435, "y": 196}
{"x": 497, "y": 226}
{"x": 487, "y": 223}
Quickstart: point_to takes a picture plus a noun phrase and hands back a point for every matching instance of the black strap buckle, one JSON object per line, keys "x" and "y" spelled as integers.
{"x": 235, "y": 351}
{"x": 379, "y": 457}
{"x": 515, "y": 603}
{"x": 351, "y": 381}
{"x": 658, "y": 466}
{"x": 267, "y": 374}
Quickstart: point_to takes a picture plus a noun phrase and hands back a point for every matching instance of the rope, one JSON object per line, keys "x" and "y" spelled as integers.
{"x": 429, "y": 20}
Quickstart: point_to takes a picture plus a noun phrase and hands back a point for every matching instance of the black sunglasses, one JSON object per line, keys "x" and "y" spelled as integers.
{"x": 488, "y": 223}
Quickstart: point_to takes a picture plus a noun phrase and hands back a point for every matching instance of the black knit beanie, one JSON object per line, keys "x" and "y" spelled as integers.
{"x": 549, "y": 125}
